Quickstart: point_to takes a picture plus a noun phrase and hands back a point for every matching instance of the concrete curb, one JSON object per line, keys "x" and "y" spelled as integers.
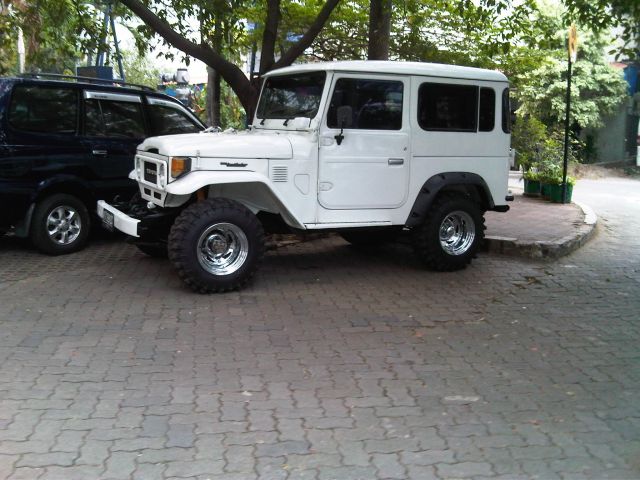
{"x": 547, "y": 249}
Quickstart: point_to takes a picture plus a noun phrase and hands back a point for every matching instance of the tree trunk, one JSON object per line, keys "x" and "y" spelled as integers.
{"x": 213, "y": 77}
{"x": 213, "y": 98}
{"x": 379, "y": 29}
{"x": 246, "y": 91}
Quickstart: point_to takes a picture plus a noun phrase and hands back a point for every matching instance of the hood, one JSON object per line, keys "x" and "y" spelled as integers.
{"x": 221, "y": 145}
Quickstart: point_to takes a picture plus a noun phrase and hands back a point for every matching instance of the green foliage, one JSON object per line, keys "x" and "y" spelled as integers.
{"x": 597, "y": 89}
{"x": 231, "y": 113}
{"x": 527, "y": 138}
{"x": 540, "y": 151}
{"x": 602, "y": 15}
{"x": 139, "y": 69}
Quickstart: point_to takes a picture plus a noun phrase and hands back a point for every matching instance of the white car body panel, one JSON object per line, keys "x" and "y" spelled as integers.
{"x": 297, "y": 169}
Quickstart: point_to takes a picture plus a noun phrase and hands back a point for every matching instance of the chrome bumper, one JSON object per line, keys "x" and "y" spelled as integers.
{"x": 121, "y": 221}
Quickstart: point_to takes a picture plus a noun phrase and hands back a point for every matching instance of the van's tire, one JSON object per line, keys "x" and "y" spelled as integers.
{"x": 451, "y": 233}
{"x": 60, "y": 224}
{"x": 370, "y": 238}
{"x": 155, "y": 250}
{"x": 216, "y": 245}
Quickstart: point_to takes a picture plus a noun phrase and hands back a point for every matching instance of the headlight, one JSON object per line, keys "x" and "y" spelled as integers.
{"x": 179, "y": 166}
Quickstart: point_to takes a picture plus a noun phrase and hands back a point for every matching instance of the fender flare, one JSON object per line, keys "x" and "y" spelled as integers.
{"x": 443, "y": 181}
{"x": 194, "y": 181}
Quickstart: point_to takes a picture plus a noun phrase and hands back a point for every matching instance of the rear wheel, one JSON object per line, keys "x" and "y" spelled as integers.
{"x": 216, "y": 245}
{"x": 451, "y": 234}
{"x": 60, "y": 224}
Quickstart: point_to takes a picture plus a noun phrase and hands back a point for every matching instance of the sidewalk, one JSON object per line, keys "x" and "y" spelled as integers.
{"x": 536, "y": 228}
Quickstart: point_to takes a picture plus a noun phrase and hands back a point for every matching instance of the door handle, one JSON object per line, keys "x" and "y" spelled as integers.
{"x": 99, "y": 152}
{"x": 396, "y": 161}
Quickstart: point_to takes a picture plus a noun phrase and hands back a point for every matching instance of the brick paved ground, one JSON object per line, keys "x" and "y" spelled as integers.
{"x": 333, "y": 364}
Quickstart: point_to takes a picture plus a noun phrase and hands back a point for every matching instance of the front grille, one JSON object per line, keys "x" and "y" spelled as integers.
{"x": 150, "y": 172}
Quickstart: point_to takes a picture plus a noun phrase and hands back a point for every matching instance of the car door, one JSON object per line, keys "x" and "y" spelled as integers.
{"x": 113, "y": 127}
{"x": 364, "y": 151}
{"x": 41, "y": 139}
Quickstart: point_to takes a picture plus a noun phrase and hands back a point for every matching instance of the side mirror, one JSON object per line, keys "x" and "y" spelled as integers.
{"x": 345, "y": 116}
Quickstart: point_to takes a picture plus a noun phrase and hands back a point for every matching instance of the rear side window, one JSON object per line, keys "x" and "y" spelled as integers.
{"x": 506, "y": 111}
{"x": 449, "y": 108}
{"x": 106, "y": 118}
{"x": 167, "y": 120}
{"x": 487, "y": 118}
{"x": 375, "y": 104}
{"x": 43, "y": 109}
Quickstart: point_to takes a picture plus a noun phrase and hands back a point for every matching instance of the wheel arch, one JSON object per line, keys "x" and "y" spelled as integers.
{"x": 464, "y": 183}
{"x": 251, "y": 189}
{"x": 67, "y": 184}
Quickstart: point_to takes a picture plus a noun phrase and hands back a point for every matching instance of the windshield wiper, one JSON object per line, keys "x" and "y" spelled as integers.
{"x": 286, "y": 122}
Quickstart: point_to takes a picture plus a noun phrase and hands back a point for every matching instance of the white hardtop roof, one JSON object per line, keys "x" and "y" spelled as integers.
{"x": 398, "y": 68}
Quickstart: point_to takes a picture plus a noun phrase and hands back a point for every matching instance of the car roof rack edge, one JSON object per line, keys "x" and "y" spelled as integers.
{"x": 100, "y": 81}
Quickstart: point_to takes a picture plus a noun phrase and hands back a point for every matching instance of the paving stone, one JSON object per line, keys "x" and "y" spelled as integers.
{"x": 282, "y": 448}
{"x": 332, "y": 363}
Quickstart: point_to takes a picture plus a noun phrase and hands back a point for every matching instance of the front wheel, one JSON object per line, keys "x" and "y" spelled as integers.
{"x": 60, "y": 224}
{"x": 216, "y": 245}
{"x": 451, "y": 233}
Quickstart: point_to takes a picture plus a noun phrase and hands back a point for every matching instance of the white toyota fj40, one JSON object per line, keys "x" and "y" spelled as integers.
{"x": 367, "y": 149}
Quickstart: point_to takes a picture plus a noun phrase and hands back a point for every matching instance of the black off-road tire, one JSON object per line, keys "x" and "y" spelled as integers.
{"x": 427, "y": 241}
{"x": 55, "y": 216}
{"x": 219, "y": 220}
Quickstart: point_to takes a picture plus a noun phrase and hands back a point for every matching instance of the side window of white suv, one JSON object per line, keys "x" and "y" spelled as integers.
{"x": 375, "y": 104}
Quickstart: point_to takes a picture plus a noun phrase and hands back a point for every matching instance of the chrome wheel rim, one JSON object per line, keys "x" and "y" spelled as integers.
{"x": 63, "y": 225}
{"x": 222, "y": 249}
{"x": 457, "y": 232}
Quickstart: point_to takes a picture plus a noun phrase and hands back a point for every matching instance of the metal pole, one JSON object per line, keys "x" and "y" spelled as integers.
{"x": 103, "y": 40}
{"x": 115, "y": 42}
{"x": 566, "y": 134}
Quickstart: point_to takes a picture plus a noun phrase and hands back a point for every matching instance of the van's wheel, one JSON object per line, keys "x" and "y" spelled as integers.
{"x": 216, "y": 245}
{"x": 451, "y": 233}
{"x": 60, "y": 224}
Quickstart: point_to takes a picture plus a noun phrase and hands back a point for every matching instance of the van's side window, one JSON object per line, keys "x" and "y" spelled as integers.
{"x": 169, "y": 121}
{"x": 105, "y": 118}
{"x": 449, "y": 108}
{"x": 487, "y": 118}
{"x": 506, "y": 111}
{"x": 374, "y": 104}
{"x": 44, "y": 109}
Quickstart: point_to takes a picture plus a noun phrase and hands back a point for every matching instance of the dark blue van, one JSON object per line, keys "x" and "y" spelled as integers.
{"x": 67, "y": 142}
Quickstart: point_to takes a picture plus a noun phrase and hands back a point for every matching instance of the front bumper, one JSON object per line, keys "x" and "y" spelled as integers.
{"x": 121, "y": 221}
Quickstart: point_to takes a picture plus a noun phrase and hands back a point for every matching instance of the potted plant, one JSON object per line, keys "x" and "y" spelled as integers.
{"x": 555, "y": 190}
{"x": 531, "y": 183}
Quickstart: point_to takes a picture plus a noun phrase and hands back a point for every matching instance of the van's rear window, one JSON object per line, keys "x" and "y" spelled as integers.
{"x": 44, "y": 109}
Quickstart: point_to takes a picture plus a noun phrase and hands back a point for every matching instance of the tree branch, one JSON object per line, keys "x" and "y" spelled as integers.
{"x": 310, "y": 35}
{"x": 270, "y": 35}
{"x": 233, "y": 75}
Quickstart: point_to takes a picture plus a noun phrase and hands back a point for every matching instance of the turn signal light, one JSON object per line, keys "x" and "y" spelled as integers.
{"x": 180, "y": 166}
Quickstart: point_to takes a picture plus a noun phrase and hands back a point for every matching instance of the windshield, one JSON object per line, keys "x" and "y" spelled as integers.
{"x": 291, "y": 96}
